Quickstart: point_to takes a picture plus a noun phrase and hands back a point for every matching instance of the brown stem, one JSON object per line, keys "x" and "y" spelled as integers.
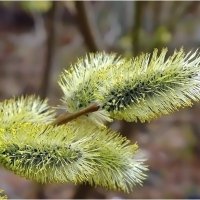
{"x": 67, "y": 117}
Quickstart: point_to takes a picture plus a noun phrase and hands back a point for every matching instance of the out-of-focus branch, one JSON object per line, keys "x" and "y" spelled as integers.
{"x": 137, "y": 26}
{"x": 83, "y": 192}
{"x": 182, "y": 9}
{"x": 88, "y": 26}
{"x": 157, "y": 9}
{"x": 39, "y": 191}
{"x": 51, "y": 21}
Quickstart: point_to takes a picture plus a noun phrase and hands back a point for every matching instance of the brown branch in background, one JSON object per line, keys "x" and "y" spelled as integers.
{"x": 67, "y": 117}
{"x": 51, "y": 20}
{"x": 157, "y": 10}
{"x": 80, "y": 192}
{"x": 88, "y": 26}
{"x": 183, "y": 7}
{"x": 39, "y": 191}
{"x": 137, "y": 26}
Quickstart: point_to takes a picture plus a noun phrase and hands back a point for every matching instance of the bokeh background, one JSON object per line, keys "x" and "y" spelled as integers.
{"x": 39, "y": 39}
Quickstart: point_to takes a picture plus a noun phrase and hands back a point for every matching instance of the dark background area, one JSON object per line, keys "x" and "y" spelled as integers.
{"x": 39, "y": 39}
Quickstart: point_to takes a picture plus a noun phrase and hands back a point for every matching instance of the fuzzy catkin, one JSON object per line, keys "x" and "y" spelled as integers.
{"x": 77, "y": 152}
{"x": 2, "y": 195}
{"x": 142, "y": 88}
{"x": 26, "y": 109}
{"x": 40, "y": 153}
{"x": 82, "y": 81}
{"x": 154, "y": 88}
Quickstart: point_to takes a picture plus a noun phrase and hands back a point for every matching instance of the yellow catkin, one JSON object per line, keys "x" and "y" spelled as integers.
{"x": 76, "y": 152}
{"x": 142, "y": 88}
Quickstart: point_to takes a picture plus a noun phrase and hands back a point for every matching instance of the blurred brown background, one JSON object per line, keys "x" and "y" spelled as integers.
{"x": 39, "y": 39}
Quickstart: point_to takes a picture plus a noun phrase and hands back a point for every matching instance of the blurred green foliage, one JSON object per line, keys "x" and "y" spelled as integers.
{"x": 37, "y": 6}
{"x": 41, "y": 6}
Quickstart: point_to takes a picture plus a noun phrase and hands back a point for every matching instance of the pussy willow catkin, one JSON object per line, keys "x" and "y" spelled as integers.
{"x": 2, "y": 195}
{"x": 77, "y": 152}
{"x": 143, "y": 88}
{"x": 26, "y": 109}
{"x": 43, "y": 154}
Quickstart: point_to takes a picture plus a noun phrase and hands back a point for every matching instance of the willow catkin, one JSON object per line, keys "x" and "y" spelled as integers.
{"x": 43, "y": 154}
{"x": 142, "y": 88}
{"x": 26, "y": 109}
{"x": 77, "y": 152}
{"x": 3, "y": 195}
{"x": 83, "y": 79}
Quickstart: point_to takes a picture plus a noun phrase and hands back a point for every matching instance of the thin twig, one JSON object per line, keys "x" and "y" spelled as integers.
{"x": 67, "y": 117}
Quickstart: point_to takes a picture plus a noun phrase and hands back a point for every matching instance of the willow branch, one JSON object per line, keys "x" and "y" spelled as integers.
{"x": 67, "y": 117}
